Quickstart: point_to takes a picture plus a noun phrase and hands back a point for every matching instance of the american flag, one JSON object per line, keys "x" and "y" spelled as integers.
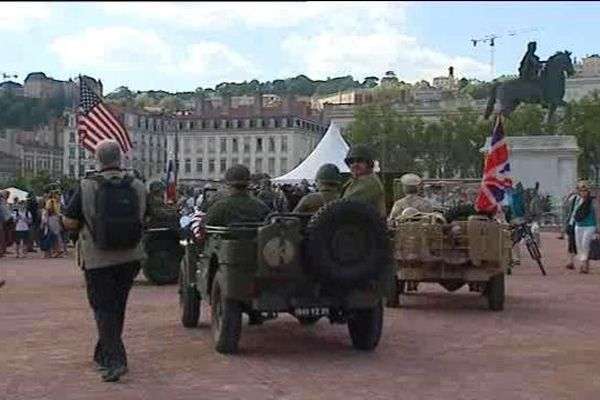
{"x": 96, "y": 123}
{"x": 496, "y": 180}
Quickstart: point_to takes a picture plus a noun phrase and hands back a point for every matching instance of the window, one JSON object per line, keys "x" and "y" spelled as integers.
{"x": 258, "y": 144}
{"x": 71, "y": 137}
{"x": 284, "y": 143}
{"x": 234, "y": 161}
{"x": 284, "y": 123}
{"x": 71, "y": 170}
{"x": 211, "y": 166}
{"x": 258, "y": 165}
{"x": 199, "y": 145}
{"x": 203, "y": 124}
{"x": 191, "y": 124}
{"x": 247, "y": 162}
{"x": 211, "y": 144}
{"x": 72, "y": 152}
{"x": 223, "y": 165}
{"x": 199, "y": 166}
{"x": 234, "y": 145}
{"x": 246, "y": 145}
{"x": 180, "y": 126}
{"x": 271, "y": 166}
{"x": 271, "y": 144}
{"x": 223, "y": 145}
{"x": 227, "y": 124}
{"x": 283, "y": 163}
{"x": 186, "y": 146}
{"x": 239, "y": 123}
{"x": 251, "y": 123}
{"x": 216, "y": 124}
{"x": 276, "y": 123}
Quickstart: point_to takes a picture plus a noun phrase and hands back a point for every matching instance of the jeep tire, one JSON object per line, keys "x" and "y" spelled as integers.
{"x": 495, "y": 292}
{"x": 308, "y": 320}
{"x": 365, "y": 327}
{"x": 347, "y": 243}
{"x": 189, "y": 298}
{"x": 226, "y": 319}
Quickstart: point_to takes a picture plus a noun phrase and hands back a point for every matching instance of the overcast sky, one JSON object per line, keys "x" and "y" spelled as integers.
{"x": 181, "y": 46}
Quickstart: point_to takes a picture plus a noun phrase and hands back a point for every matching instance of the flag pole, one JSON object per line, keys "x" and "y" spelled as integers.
{"x": 79, "y": 146}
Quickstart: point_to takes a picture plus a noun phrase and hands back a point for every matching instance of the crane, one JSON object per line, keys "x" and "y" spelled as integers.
{"x": 491, "y": 40}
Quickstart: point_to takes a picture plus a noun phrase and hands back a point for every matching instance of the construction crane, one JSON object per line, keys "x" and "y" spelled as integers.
{"x": 491, "y": 40}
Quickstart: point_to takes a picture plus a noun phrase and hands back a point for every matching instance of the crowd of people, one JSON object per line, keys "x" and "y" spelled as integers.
{"x": 32, "y": 224}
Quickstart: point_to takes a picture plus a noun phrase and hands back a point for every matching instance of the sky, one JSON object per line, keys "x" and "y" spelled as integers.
{"x": 183, "y": 46}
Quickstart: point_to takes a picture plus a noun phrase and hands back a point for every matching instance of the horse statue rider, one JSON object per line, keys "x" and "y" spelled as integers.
{"x": 539, "y": 82}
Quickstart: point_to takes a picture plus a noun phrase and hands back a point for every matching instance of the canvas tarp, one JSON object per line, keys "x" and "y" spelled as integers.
{"x": 331, "y": 149}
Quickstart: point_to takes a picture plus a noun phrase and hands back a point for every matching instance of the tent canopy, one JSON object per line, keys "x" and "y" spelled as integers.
{"x": 14, "y": 193}
{"x": 331, "y": 149}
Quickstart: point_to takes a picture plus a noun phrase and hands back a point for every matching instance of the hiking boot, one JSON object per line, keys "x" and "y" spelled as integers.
{"x": 570, "y": 266}
{"x": 113, "y": 374}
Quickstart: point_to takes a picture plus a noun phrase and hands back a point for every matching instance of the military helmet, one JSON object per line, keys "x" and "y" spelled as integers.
{"x": 329, "y": 173}
{"x": 359, "y": 151}
{"x": 155, "y": 186}
{"x": 410, "y": 180}
{"x": 237, "y": 175}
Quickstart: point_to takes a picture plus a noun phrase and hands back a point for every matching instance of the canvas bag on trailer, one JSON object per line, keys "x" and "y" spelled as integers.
{"x": 116, "y": 224}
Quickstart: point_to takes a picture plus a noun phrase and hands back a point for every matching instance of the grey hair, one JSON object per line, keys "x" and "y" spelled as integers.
{"x": 108, "y": 154}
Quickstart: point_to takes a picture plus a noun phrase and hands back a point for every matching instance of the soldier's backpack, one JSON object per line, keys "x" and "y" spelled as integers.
{"x": 116, "y": 224}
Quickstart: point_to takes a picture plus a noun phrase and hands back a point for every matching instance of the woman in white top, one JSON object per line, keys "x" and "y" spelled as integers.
{"x": 22, "y": 219}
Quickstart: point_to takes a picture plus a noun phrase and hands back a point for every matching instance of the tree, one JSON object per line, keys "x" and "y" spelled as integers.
{"x": 143, "y": 100}
{"x": 389, "y": 78}
{"x": 527, "y": 119}
{"x": 169, "y": 103}
{"x": 582, "y": 119}
{"x": 370, "y": 82}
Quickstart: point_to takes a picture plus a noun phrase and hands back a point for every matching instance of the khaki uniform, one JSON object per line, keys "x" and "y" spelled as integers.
{"x": 366, "y": 189}
{"x": 239, "y": 206}
{"x": 92, "y": 257}
{"x": 411, "y": 200}
{"x": 313, "y": 201}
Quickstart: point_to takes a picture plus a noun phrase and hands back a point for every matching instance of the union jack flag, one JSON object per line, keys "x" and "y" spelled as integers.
{"x": 496, "y": 181}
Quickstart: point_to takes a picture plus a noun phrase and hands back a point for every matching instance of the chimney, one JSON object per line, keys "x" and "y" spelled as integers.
{"x": 225, "y": 104}
{"x": 451, "y": 72}
{"x": 258, "y": 104}
{"x": 286, "y": 107}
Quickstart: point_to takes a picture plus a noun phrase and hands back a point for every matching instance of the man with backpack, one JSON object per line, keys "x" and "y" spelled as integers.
{"x": 108, "y": 209}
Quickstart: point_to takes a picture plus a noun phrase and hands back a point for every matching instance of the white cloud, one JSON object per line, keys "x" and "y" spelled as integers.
{"x": 124, "y": 49}
{"x": 220, "y": 16}
{"x": 19, "y": 16}
{"x": 369, "y": 41}
{"x": 214, "y": 61}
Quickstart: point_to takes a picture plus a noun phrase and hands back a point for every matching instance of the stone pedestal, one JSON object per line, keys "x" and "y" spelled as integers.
{"x": 549, "y": 160}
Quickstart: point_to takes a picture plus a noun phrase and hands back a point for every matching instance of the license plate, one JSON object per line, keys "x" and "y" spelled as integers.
{"x": 311, "y": 311}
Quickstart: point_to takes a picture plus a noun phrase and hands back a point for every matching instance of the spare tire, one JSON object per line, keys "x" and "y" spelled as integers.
{"x": 347, "y": 243}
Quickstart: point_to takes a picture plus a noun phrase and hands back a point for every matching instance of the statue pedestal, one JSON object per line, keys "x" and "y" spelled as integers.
{"x": 549, "y": 160}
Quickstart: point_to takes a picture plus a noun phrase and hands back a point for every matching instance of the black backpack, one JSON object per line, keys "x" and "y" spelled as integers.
{"x": 116, "y": 224}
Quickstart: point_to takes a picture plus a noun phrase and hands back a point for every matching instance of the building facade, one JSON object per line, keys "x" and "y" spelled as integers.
{"x": 269, "y": 140}
{"x": 10, "y": 162}
{"x": 41, "y": 149}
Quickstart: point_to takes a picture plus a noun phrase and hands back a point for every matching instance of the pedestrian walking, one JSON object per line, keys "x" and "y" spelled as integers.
{"x": 108, "y": 210}
{"x": 586, "y": 219}
{"x": 22, "y": 219}
{"x": 4, "y": 216}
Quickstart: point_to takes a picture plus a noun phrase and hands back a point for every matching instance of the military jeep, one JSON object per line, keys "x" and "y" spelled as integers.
{"x": 473, "y": 251}
{"x": 161, "y": 243}
{"x": 335, "y": 264}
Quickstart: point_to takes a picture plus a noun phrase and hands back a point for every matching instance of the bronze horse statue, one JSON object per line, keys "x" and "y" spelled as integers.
{"x": 548, "y": 89}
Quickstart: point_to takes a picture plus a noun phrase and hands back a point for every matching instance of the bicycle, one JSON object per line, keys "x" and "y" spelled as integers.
{"x": 521, "y": 230}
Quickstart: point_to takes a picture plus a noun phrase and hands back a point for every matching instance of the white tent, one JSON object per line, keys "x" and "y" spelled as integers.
{"x": 14, "y": 193}
{"x": 331, "y": 149}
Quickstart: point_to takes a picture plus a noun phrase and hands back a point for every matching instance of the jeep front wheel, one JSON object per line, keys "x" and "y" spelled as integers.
{"x": 365, "y": 327}
{"x": 189, "y": 299}
{"x": 226, "y": 319}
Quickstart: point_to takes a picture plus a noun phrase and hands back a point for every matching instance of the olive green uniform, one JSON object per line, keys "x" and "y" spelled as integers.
{"x": 239, "y": 206}
{"x": 366, "y": 189}
{"x": 313, "y": 201}
{"x": 410, "y": 200}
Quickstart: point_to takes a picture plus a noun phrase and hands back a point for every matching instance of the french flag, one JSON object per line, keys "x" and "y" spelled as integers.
{"x": 171, "y": 192}
{"x": 496, "y": 181}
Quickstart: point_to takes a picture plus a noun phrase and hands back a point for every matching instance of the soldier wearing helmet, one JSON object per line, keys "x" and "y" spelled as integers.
{"x": 364, "y": 185}
{"x": 410, "y": 183}
{"x": 238, "y": 205}
{"x": 329, "y": 182}
{"x": 155, "y": 195}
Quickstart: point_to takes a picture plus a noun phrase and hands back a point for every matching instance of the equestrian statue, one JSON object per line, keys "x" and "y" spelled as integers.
{"x": 539, "y": 82}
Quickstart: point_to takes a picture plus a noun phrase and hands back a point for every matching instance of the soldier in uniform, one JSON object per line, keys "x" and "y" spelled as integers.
{"x": 410, "y": 183}
{"x": 329, "y": 181}
{"x": 155, "y": 194}
{"x": 364, "y": 185}
{"x": 238, "y": 205}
